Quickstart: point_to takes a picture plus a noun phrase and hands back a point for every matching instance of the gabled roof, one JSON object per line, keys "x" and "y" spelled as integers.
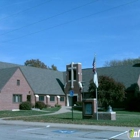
{"x": 7, "y": 65}
{"x": 44, "y": 81}
{"x": 5, "y": 75}
{"x": 126, "y": 74}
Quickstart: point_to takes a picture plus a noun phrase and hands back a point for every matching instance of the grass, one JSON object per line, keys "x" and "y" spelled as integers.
{"x": 52, "y": 109}
{"x": 123, "y": 118}
{"x": 27, "y": 112}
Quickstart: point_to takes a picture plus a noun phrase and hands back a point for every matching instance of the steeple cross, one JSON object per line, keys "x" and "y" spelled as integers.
{"x": 72, "y": 75}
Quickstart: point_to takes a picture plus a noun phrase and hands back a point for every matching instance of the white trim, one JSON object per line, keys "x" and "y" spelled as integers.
{"x": 36, "y": 95}
{"x": 65, "y": 85}
{"x": 58, "y": 97}
{"x": 80, "y": 84}
{"x": 47, "y": 96}
{"x": 73, "y": 81}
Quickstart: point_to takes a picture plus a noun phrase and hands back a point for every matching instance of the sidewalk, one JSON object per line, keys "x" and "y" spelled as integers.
{"x": 63, "y": 109}
{"x": 60, "y": 125}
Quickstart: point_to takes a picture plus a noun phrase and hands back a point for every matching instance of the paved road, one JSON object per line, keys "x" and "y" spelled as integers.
{"x": 48, "y": 132}
{"x": 20, "y": 130}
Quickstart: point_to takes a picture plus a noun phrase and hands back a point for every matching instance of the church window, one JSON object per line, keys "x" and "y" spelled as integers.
{"x": 61, "y": 98}
{"x": 52, "y": 98}
{"x": 41, "y": 98}
{"x": 18, "y": 82}
{"x": 17, "y": 98}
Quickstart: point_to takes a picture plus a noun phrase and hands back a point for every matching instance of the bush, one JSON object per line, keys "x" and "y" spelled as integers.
{"x": 40, "y": 105}
{"x": 57, "y": 105}
{"x": 79, "y": 108}
{"x": 79, "y": 103}
{"x": 25, "y": 106}
{"x": 133, "y": 98}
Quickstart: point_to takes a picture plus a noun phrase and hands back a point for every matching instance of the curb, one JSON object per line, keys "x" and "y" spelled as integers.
{"x": 67, "y": 126}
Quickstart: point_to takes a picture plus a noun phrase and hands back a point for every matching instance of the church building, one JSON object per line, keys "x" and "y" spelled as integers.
{"x": 20, "y": 83}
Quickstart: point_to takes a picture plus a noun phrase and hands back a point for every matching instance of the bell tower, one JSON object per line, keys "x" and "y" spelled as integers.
{"x": 73, "y": 82}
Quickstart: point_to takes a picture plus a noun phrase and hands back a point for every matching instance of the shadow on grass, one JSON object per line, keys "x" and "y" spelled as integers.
{"x": 66, "y": 118}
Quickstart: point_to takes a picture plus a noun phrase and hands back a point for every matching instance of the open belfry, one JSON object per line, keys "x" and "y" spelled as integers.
{"x": 73, "y": 82}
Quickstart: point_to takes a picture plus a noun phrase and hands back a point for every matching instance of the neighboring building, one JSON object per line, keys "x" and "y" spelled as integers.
{"x": 23, "y": 83}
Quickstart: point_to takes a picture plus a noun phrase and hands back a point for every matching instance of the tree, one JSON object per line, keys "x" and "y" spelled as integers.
{"x": 136, "y": 65}
{"x": 122, "y": 62}
{"x": 54, "y": 67}
{"x": 109, "y": 91}
{"x": 133, "y": 98}
{"x": 35, "y": 63}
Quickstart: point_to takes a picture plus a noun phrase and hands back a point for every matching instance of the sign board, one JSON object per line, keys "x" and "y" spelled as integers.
{"x": 71, "y": 93}
{"x": 88, "y": 108}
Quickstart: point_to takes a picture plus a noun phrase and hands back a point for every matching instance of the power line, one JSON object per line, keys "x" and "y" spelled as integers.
{"x": 73, "y": 20}
{"x": 50, "y": 17}
{"x": 24, "y": 10}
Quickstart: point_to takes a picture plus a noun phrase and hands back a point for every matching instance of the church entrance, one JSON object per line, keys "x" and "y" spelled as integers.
{"x": 29, "y": 98}
{"x": 72, "y": 100}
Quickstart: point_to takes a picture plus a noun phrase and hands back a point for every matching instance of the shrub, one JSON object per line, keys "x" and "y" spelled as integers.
{"x": 133, "y": 98}
{"x": 40, "y": 105}
{"x": 25, "y": 106}
{"x": 48, "y": 106}
{"x": 57, "y": 105}
{"x": 79, "y": 108}
{"x": 79, "y": 103}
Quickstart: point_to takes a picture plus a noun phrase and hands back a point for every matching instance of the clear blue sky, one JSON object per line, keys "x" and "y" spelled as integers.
{"x": 63, "y": 31}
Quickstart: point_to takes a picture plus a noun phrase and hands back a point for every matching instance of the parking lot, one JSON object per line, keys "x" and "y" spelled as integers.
{"x": 48, "y": 132}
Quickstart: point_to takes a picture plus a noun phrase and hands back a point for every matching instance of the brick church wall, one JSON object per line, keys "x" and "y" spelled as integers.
{"x": 11, "y": 87}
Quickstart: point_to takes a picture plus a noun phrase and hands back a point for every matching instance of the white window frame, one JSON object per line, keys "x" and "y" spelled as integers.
{"x": 17, "y": 98}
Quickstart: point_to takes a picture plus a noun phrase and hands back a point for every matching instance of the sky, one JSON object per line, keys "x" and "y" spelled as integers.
{"x": 63, "y": 31}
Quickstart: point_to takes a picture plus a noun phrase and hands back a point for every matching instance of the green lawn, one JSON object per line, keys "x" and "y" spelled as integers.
{"x": 51, "y": 109}
{"x": 27, "y": 112}
{"x": 124, "y": 118}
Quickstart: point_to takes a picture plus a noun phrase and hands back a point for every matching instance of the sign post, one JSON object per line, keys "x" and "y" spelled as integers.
{"x": 71, "y": 94}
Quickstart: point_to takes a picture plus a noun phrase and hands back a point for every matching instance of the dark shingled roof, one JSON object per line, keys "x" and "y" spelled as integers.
{"x": 7, "y": 65}
{"x": 5, "y": 75}
{"x": 126, "y": 74}
{"x": 44, "y": 81}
